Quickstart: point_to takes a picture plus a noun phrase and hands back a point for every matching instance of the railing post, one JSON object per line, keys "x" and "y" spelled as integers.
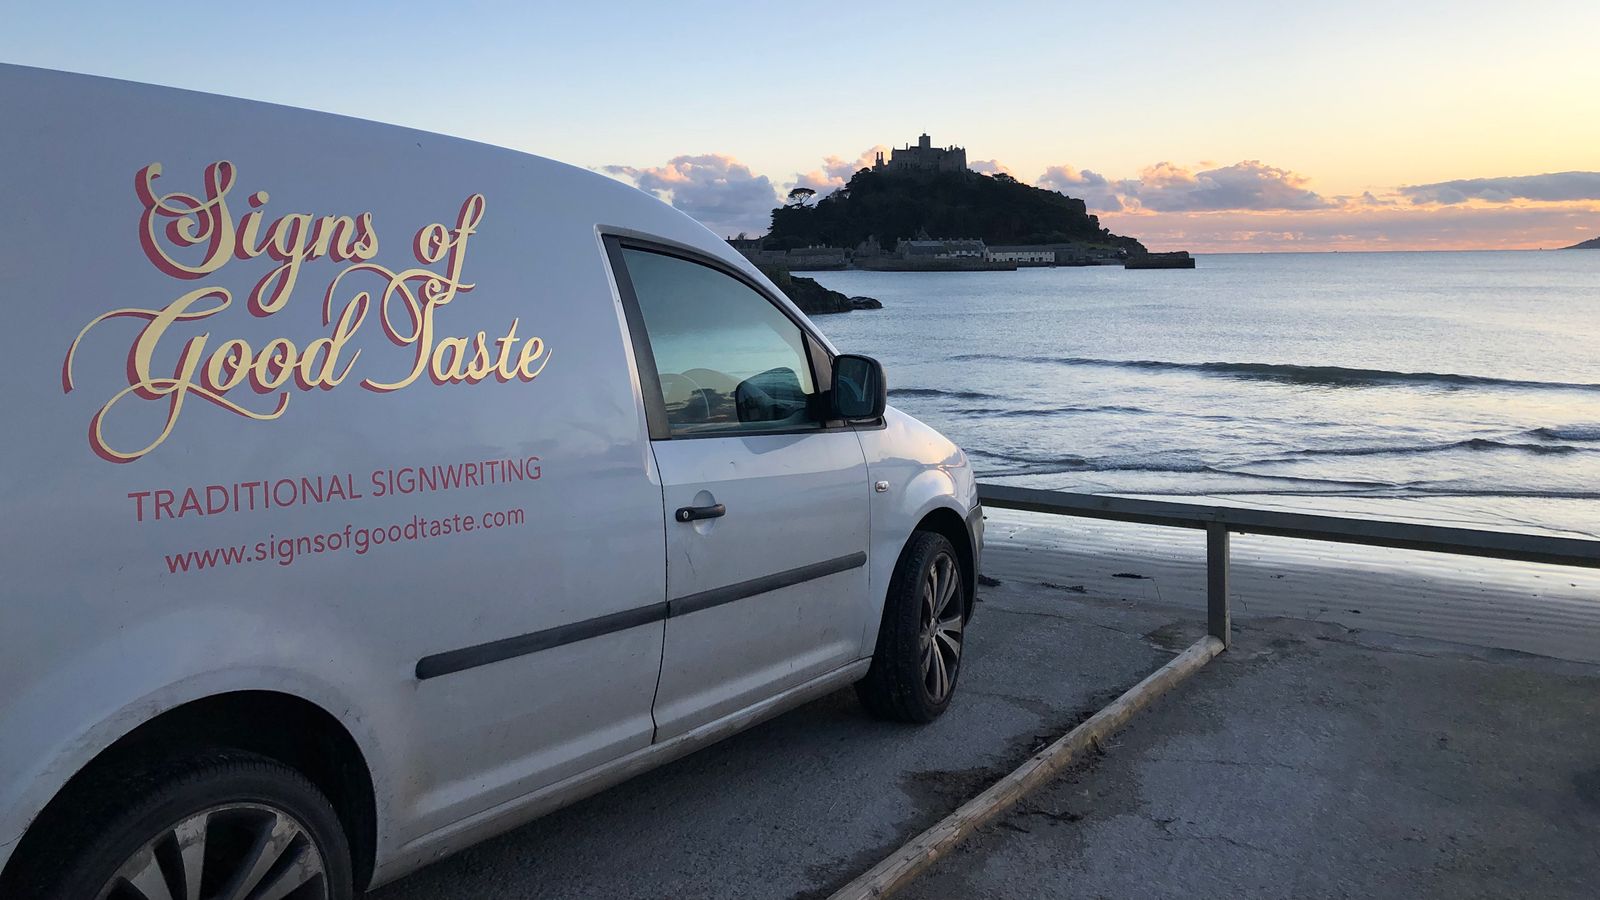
{"x": 1218, "y": 622}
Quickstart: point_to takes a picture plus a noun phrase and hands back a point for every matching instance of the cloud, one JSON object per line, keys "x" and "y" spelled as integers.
{"x": 718, "y": 190}
{"x": 1248, "y": 185}
{"x": 991, "y": 167}
{"x": 1094, "y": 189}
{"x": 1252, "y": 207}
{"x": 1550, "y": 187}
{"x": 836, "y": 170}
{"x": 1165, "y": 187}
{"x": 816, "y": 180}
{"x": 1364, "y": 227}
{"x": 1368, "y": 198}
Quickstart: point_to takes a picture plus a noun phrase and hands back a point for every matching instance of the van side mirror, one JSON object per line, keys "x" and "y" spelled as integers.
{"x": 859, "y": 389}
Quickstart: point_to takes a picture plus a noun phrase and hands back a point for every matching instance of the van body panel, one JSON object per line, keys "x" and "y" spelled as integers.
{"x": 793, "y": 501}
{"x": 924, "y": 471}
{"x": 120, "y": 685}
{"x": 467, "y": 832}
{"x": 561, "y": 484}
{"x": 350, "y": 412}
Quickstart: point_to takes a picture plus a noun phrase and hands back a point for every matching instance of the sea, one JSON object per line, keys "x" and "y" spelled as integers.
{"x": 1459, "y": 388}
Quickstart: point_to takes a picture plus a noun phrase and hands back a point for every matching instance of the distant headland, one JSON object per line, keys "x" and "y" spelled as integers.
{"x": 922, "y": 209}
{"x": 1592, "y": 244}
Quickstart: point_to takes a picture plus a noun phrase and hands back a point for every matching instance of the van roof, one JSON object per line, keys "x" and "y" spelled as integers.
{"x": 633, "y": 208}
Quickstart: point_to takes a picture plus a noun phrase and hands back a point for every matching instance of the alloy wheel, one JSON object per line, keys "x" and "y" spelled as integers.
{"x": 236, "y": 851}
{"x": 942, "y": 624}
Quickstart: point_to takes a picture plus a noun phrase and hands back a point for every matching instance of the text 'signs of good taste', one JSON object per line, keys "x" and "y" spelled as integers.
{"x": 191, "y": 238}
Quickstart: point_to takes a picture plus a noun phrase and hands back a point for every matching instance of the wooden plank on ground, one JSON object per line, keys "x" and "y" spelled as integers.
{"x": 925, "y": 849}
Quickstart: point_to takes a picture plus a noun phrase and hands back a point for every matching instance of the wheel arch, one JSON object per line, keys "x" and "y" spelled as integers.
{"x": 303, "y": 736}
{"x": 947, "y": 522}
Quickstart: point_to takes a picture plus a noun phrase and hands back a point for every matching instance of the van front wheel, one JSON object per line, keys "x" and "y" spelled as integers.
{"x": 918, "y": 656}
{"x": 220, "y": 825}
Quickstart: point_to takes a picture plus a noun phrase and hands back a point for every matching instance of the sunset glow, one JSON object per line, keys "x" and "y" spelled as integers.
{"x": 1230, "y": 126}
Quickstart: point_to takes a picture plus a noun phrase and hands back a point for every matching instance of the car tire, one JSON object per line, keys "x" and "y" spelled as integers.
{"x": 203, "y": 825}
{"x": 918, "y": 656}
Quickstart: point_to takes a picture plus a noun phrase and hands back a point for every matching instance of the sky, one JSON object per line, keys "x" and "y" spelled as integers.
{"x": 1212, "y": 127}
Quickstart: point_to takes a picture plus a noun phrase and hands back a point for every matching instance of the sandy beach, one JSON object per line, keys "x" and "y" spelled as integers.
{"x": 1545, "y": 610}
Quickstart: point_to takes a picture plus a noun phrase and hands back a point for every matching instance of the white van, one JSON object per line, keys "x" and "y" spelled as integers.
{"x": 369, "y": 492}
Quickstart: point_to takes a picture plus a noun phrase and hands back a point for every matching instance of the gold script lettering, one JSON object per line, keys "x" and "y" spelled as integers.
{"x": 147, "y": 386}
{"x": 408, "y": 304}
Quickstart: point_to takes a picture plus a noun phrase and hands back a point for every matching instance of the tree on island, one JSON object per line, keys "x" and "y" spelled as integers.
{"x": 799, "y": 197}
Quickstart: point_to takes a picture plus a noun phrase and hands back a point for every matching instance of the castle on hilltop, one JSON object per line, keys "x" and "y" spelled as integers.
{"x": 924, "y": 157}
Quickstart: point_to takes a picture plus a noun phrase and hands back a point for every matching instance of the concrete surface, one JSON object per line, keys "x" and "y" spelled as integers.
{"x": 802, "y": 804}
{"x": 1312, "y": 761}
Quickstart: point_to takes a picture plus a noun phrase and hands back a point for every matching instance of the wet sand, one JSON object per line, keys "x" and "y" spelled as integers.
{"x": 1544, "y": 610}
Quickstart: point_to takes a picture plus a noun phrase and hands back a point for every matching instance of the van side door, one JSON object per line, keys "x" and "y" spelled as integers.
{"x": 766, "y": 500}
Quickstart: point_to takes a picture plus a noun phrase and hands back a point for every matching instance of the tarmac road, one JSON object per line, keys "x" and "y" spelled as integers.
{"x": 1311, "y": 761}
{"x": 801, "y": 804}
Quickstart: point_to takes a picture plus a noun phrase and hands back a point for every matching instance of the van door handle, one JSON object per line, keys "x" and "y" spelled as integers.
{"x": 695, "y": 513}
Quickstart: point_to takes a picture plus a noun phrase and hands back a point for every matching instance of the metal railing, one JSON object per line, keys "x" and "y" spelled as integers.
{"x": 1219, "y": 522}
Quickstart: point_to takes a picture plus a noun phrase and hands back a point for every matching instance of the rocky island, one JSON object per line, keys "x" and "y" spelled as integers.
{"x": 812, "y": 298}
{"x": 884, "y": 217}
{"x": 927, "y": 190}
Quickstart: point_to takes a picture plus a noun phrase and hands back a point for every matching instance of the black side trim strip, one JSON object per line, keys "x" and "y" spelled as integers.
{"x": 729, "y": 593}
{"x": 523, "y": 644}
{"x": 452, "y": 661}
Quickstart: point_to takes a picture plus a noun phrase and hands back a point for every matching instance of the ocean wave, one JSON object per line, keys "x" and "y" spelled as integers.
{"x": 1008, "y": 464}
{"x": 936, "y": 392}
{"x": 1547, "y": 494}
{"x": 1066, "y": 464}
{"x": 1050, "y": 412}
{"x": 1479, "y": 444}
{"x": 1409, "y": 492}
{"x": 1257, "y": 484}
{"x": 1072, "y": 410}
{"x": 1567, "y": 433}
{"x": 1071, "y": 463}
{"x": 1327, "y": 376}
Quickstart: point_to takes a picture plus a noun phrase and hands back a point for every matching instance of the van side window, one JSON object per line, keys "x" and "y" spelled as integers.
{"x": 727, "y": 359}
